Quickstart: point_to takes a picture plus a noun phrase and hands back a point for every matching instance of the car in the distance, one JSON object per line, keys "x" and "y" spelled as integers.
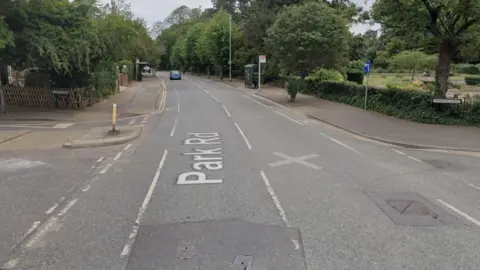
{"x": 175, "y": 75}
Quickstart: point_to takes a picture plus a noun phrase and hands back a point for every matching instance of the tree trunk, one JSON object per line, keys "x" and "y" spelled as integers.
{"x": 447, "y": 52}
{"x": 413, "y": 74}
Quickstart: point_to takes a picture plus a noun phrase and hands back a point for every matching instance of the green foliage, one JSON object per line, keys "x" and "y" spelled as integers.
{"x": 307, "y": 36}
{"x": 355, "y": 76}
{"x": 6, "y": 37}
{"x": 104, "y": 78}
{"x": 466, "y": 69}
{"x": 322, "y": 74}
{"x": 413, "y": 61}
{"x": 472, "y": 80}
{"x": 355, "y": 65}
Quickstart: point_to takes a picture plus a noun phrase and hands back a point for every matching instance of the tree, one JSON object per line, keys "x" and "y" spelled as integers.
{"x": 6, "y": 37}
{"x": 439, "y": 22}
{"x": 308, "y": 36}
{"x": 179, "y": 15}
{"x": 413, "y": 60}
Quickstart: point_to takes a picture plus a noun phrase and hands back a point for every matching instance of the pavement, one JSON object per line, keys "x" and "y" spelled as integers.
{"x": 223, "y": 179}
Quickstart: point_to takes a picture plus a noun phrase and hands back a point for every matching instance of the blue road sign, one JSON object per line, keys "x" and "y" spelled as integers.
{"x": 366, "y": 67}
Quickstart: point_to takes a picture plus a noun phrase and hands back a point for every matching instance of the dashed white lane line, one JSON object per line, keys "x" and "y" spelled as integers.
{"x": 471, "y": 185}
{"x": 174, "y": 127}
{"x": 33, "y": 228}
{"x": 51, "y": 209}
{"x": 215, "y": 99}
{"x": 86, "y": 188}
{"x": 63, "y": 125}
{"x": 476, "y": 222}
{"x": 127, "y": 147}
{"x": 118, "y": 156}
{"x": 342, "y": 144}
{"x": 10, "y": 264}
{"x": 244, "y": 137}
{"x": 106, "y": 168}
{"x": 289, "y": 118}
{"x": 131, "y": 238}
{"x": 275, "y": 199}
{"x": 416, "y": 159}
{"x": 178, "y": 100}
{"x": 226, "y": 111}
{"x": 100, "y": 159}
{"x": 47, "y": 227}
{"x": 399, "y": 152}
{"x": 206, "y": 92}
{"x": 67, "y": 207}
{"x": 131, "y": 122}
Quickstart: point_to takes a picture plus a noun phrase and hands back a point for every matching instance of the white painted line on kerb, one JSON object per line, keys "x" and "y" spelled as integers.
{"x": 174, "y": 126}
{"x": 127, "y": 147}
{"x": 106, "y": 168}
{"x": 226, "y": 111}
{"x": 63, "y": 125}
{"x": 131, "y": 122}
{"x": 215, "y": 99}
{"x": 100, "y": 159}
{"x": 33, "y": 228}
{"x": 275, "y": 199}
{"x": 399, "y": 152}
{"x": 118, "y": 156}
{"x": 244, "y": 137}
{"x": 51, "y": 209}
{"x": 133, "y": 235}
{"x": 291, "y": 119}
{"x": 340, "y": 143}
{"x": 10, "y": 264}
{"x": 48, "y": 226}
{"x": 476, "y": 222}
{"x": 416, "y": 159}
{"x": 178, "y": 100}
{"x": 67, "y": 207}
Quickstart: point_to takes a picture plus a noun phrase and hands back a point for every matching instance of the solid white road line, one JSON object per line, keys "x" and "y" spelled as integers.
{"x": 174, "y": 126}
{"x": 106, "y": 168}
{"x": 63, "y": 125}
{"x": 291, "y": 119}
{"x": 178, "y": 100}
{"x": 274, "y": 197}
{"x": 133, "y": 235}
{"x": 342, "y": 144}
{"x": 244, "y": 137}
{"x": 226, "y": 111}
{"x": 117, "y": 156}
{"x": 416, "y": 159}
{"x": 127, "y": 147}
{"x": 399, "y": 152}
{"x": 215, "y": 99}
{"x": 51, "y": 209}
{"x": 476, "y": 222}
{"x": 256, "y": 101}
{"x": 34, "y": 226}
{"x": 67, "y": 207}
{"x": 48, "y": 226}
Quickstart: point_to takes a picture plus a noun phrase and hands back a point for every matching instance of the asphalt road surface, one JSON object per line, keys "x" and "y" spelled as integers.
{"x": 225, "y": 180}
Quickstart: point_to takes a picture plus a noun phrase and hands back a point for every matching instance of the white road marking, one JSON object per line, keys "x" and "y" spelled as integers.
{"x": 244, "y": 137}
{"x": 291, "y": 119}
{"x": 34, "y": 226}
{"x": 67, "y": 207}
{"x": 226, "y": 111}
{"x": 118, "y": 156}
{"x": 86, "y": 188}
{"x": 296, "y": 245}
{"x": 63, "y": 125}
{"x": 51, "y": 209}
{"x": 48, "y": 226}
{"x": 215, "y": 99}
{"x": 11, "y": 165}
{"x": 199, "y": 86}
{"x": 299, "y": 160}
{"x": 399, "y": 152}
{"x": 132, "y": 122}
{"x": 174, "y": 126}
{"x": 100, "y": 159}
{"x": 106, "y": 168}
{"x": 342, "y": 144}
{"x": 416, "y": 159}
{"x": 476, "y": 222}
{"x": 178, "y": 100}
{"x": 275, "y": 199}
{"x": 127, "y": 147}
{"x": 256, "y": 101}
{"x": 10, "y": 264}
{"x": 131, "y": 239}
{"x": 206, "y": 92}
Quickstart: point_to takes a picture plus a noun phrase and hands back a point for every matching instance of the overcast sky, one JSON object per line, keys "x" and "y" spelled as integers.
{"x": 155, "y": 10}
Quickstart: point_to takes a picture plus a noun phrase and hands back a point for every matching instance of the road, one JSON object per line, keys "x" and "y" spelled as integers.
{"x": 222, "y": 178}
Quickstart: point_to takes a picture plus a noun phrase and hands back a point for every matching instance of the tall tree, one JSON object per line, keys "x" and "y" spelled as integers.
{"x": 440, "y": 22}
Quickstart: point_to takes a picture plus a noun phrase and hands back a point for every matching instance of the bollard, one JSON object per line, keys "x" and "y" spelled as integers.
{"x": 114, "y": 117}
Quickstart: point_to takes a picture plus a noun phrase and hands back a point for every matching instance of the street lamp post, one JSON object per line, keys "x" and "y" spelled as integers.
{"x": 230, "y": 51}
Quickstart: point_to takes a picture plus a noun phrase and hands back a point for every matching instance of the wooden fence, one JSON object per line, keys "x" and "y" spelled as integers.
{"x": 52, "y": 98}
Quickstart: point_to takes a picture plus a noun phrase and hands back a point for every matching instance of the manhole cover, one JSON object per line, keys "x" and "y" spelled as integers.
{"x": 409, "y": 208}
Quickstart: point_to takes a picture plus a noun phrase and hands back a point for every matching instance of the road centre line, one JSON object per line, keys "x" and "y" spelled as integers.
{"x": 106, "y": 168}
{"x": 33, "y": 228}
{"x": 471, "y": 219}
{"x": 48, "y": 226}
{"x": 67, "y": 207}
{"x": 275, "y": 199}
{"x": 244, "y": 137}
{"x": 291, "y": 119}
{"x": 340, "y": 143}
{"x": 51, "y": 209}
{"x": 133, "y": 235}
{"x": 206, "y": 92}
{"x": 226, "y": 111}
{"x": 174, "y": 126}
{"x": 118, "y": 155}
{"x": 215, "y": 99}
{"x": 178, "y": 100}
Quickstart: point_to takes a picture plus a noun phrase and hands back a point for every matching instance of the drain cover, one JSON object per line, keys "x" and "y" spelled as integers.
{"x": 409, "y": 208}
{"x": 186, "y": 249}
{"x": 243, "y": 262}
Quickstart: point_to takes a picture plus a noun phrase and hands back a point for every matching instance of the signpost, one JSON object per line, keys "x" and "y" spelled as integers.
{"x": 366, "y": 68}
{"x": 261, "y": 59}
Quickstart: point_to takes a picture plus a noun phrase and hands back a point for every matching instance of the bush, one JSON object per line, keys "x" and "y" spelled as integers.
{"x": 467, "y": 69}
{"x": 355, "y": 76}
{"x": 295, "y": 85}
{"x": 470, "y": 80}
{"x": 322, "y": 74}
{"x": 356, "y": 65}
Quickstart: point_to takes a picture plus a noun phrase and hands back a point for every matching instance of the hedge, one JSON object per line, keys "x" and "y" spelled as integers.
{"x": 472, "y": 80}
{"x": 411, "y": 105}
{"x": 467, "y": 69}
{"x": 355, "y": 76}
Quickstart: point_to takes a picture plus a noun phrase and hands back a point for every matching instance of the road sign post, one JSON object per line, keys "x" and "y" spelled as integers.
{"x": 261, "y": 59}
{"x": 366, "y": 68}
